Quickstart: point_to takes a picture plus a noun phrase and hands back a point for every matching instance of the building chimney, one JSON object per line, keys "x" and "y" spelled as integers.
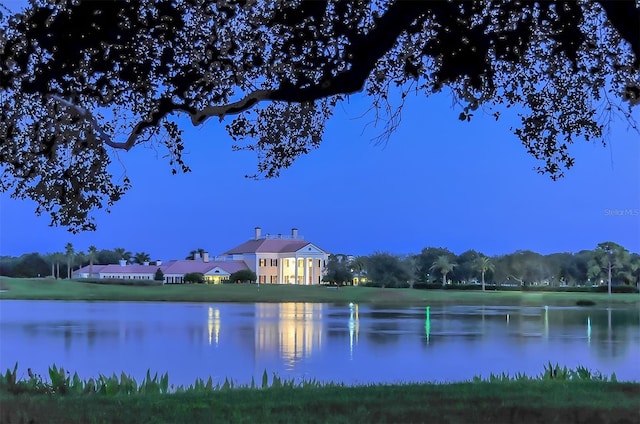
{"x": 196, "y": 256}
{"x": 279, "y": 236}
{"x": 123, "y": 262}
{"x": 205, "y": 257}
{"x": 145, "y": 263}
{"x": 294, "y": 233}
{"x": 158, "y": 262}
{"x": 257, "y": 231}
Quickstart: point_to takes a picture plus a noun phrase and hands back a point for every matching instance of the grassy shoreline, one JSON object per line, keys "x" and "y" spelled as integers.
{"x": 48, "y": 289}
{"x": 533, "y": 402}
{"x": 561, "y": 396}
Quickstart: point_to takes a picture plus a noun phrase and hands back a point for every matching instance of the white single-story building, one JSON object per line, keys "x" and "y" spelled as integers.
{"x": 173, "y": 271}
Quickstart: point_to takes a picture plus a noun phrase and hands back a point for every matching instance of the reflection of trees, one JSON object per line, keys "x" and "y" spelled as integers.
{"x": 194, "y": 331}
{"x": 383, "y": 332}
{"x": 293, "y": 330}
{"x": 68, "y": 336}
{"x": 609, "y": 331}
{"x": 458, "y": 322}
{"x": 386, "y": 325}
{"x": 613, "y": 331}
{"x": 91, "y": 332}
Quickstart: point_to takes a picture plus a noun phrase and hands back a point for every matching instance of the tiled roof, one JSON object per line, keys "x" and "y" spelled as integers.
{"x": 185, "y": 266}
{"x": 171, "y": 267}
{"x": 231, "y": 266}
{"x": 268, "y": 246}
{"x": 96, "y": 268}
{"x": 116, "y": 268}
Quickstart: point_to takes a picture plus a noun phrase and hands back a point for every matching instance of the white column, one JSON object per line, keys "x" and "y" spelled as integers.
{"x": 313, "y": 271}
{"x": 257, "y": 265}
{"x": 295, "y": 261}
{"x": 304, "y": 271}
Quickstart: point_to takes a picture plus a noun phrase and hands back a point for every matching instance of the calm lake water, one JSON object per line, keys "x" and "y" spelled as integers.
{"x": 347, "y": 343}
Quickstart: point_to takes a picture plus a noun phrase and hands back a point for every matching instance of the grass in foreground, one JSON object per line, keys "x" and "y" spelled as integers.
{"x": 557, "y": 396}
{"x": 48, "y": 289}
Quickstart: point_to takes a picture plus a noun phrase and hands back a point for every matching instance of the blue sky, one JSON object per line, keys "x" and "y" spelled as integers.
{"x": 437, "y": 182}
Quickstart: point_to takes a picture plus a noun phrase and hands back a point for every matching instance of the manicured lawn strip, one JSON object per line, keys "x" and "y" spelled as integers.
{"x": 46, "y": 289}
{"x": 478, "y": 402}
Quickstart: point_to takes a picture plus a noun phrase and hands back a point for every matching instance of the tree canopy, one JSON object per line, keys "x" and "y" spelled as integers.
{"x": 242, "y": 276}
{"x": 338, "y": 270}
{"x": 83, "y": 80}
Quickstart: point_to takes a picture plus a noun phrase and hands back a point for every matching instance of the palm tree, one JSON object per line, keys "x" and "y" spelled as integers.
{"x": 122, "y": 253}
{"x": 53, "y": 258}
{"x": 68, "y": 248}
{"x": 80, "y": 259}
{"x": 483, "y": 264}
{"x": 199, "y": 251}
{"x": 141, "y": 257}
{"x": 92, "y": 255}
{"x": 442, "y": 265}
{"x": 58, "y": 256}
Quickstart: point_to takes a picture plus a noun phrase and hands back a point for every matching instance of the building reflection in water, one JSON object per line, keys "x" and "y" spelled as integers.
{"x": 214, "y": 325}
{"x": 293, "y": 330}
{"x": 354, "y": 327}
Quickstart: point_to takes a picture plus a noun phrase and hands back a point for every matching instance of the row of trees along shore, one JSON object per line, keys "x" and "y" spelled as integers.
{"x": 608, "y": 264}
{"x": 62, "y": 264}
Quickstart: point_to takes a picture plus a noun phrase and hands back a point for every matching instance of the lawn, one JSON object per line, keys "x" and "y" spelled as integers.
{"x": 556, "y": 396}
{"x": 49, "y": 289}
{"x": 534, "y": 402}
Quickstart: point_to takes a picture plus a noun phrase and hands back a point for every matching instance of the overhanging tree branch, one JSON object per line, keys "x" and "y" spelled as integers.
{"x": 150, "y": 59}
{"x": 88, "y": 116}
{"x": 364, "y": 51}
{"x": 625, "y": 17}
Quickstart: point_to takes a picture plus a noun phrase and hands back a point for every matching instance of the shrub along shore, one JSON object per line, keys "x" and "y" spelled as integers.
{"x": 50, "y": 289}
{"x": 557, "y": 395}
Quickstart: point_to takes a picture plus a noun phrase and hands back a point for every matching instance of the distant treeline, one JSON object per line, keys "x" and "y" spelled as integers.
{"x": 433, "y": 266}
{"x": 61, "y": 264}
{"x": 438, "y": 267}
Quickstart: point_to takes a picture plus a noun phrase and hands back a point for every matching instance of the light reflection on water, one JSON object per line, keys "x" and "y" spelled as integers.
{"x": 348, "y": 343}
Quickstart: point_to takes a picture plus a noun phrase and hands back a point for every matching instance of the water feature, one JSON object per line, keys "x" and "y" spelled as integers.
{"x": 346, "y": 343}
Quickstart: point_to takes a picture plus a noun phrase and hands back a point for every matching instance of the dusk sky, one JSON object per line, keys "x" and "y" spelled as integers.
{"x": 437, "y": 182}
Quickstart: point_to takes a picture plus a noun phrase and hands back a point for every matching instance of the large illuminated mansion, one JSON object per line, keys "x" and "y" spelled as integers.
{"x": 278, "y": 259}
